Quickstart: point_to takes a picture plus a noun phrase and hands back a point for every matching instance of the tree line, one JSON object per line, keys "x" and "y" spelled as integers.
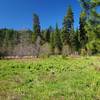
{"x": 85, "y": 40}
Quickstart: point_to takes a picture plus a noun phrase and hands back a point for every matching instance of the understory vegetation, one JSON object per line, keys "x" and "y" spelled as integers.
{"x": 54, "y": 78}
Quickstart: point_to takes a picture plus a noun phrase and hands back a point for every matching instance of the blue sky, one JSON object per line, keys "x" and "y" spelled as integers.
{"x": 17, "y": 14}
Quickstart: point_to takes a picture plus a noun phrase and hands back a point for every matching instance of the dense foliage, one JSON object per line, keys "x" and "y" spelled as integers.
{"x": 92, "y": 25}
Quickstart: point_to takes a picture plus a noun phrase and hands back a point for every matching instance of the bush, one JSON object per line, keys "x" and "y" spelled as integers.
{"x": 93, "y": 47}
{"x": 83, "y": 52}
{"x": 2, "y": 54}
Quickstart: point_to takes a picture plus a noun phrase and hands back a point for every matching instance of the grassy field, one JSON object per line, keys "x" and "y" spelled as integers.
{"x": 52, "y": 78}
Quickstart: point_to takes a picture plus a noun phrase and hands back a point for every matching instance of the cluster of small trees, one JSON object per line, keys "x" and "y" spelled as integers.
{"x": 7, "y": 40}
{"x": 12, "y": 42}
{"x": 66, "y": 40}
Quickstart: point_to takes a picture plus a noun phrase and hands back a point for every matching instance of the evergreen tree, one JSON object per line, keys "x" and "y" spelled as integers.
{"x": 83, "y": 32}
{"x": 57, "y": 38}
{"x": 52, "y": 42}
{"x": 68, "y": 26}
{"x": 76, "y": 40}
{"x": 36, "y": 27}
{"x": 47, "y": 33}
{"x": 36, "y": 34}
{"x": 65, "y": 33}
{"x": 72, "y": 40}
{"x": 70, "y": 19}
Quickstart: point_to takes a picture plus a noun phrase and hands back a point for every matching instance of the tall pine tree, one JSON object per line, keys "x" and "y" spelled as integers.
{"x": 82, "y": 30}
{"x": 57, "y": 38}
{"x": 36, "y": 36}
{"x": 68, "y": 28}
{"x": 52, "y": 42}
{"x": 36, "y": 27}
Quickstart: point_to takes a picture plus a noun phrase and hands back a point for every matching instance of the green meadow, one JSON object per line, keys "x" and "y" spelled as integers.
{"x": 53, "y": 78}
